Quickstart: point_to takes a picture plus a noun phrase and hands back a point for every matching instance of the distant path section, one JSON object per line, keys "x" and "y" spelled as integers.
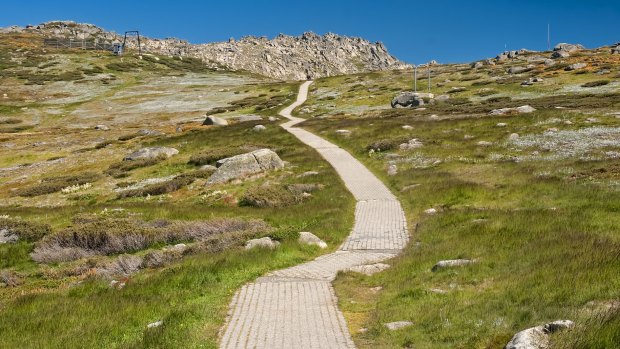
{"x": 297, "y": 307}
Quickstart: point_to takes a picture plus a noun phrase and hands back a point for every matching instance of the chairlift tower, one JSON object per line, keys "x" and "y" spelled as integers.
{"x": 119, "y": 49}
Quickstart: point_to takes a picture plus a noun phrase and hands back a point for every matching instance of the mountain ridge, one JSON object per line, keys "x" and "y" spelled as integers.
{"x": 284, "y": 57}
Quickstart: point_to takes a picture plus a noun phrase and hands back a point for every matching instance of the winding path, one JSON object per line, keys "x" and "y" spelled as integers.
{"x": 297, "y": 307}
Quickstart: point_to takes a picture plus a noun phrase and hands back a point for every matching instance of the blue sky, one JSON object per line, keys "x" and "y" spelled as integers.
{"x": 414, "y": 31}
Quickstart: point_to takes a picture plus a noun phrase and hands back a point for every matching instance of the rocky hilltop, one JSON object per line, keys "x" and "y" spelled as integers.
{"x": 283, "y": 57}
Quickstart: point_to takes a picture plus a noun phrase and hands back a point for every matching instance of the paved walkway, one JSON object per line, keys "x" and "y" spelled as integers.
{"x": 297, "y": 307}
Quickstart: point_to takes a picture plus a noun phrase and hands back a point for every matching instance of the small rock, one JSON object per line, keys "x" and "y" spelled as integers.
{"x": 7, "y": 237}
{"x": 438, "y": 290}
{"x": 311, "y": 239}
{"x": 215, "y": 121}
{"x": 397, "y": 325}
{"x": 513, "y": 136}
{"x": 151, "y": 153}
{"x": 537, "y": 337}
{"x": 155, "y": 324}
{"x": 549, "y": 62}
{"x": 591, "y": 120}
{"x": 524, "y": 109}
{"x": 208, "y": 168}
{"x": 434, "y": 117}
{"x": 517, "y": 70}
{"x": 362, "y": 330}
{"x": 376, "y": 289}
{"x": 568, "y": 122}
{"x": 370, "y": 269}
{"x": 246, "y": 118}
{"x": 102, "y": 128}
{"x": 501, "y": 124}
{"x": 412, "y": 144}
{"x": 272, "y": 119}
{"x": 407, "y": 127}
{"x": 265, "y": 242}
{"x": 4, "y": 95}
{"x": 485, "y": 144}
{"x": 451, "y": 263}
{"x": 343, "y": 132}
{"x": 576, "y": 66}
{"x": 552, "y": 130}
{"x": 392, "y": 170}
{"x": 146, "y": 132}
{"x": 468, "y": 137}
{"x": 259, "y": 128}
{"x": 430, "y": 211}
{"x": 309, "y": 173}
{"x": 477, "y": 65}
{"x": 560, "y": 54}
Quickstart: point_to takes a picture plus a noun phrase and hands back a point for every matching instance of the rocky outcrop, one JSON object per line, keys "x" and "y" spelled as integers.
{"x": 285, "y": 57}
{"x": 214, "y": 121}
{"x": 244, "y": 165}
{"x": 308, "y": 56}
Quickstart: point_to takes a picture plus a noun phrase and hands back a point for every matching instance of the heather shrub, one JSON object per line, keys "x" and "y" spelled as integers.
{"x": 25, "y": 230}
{"x": 56, "y": 184}
{"x": 121, "y": 169}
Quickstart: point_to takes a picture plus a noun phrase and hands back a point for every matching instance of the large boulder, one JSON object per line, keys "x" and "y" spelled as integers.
{"x": 570, "y": 48}
{"x": 560, "y": 54}
{"x": 151, "y": 153}
{"x": 215, "y": 121}
{"x": 6, "y": 236}
{"x": 244, "y": 165}
{"x": 537, "y": 337}
{"x": 410, "y": 99}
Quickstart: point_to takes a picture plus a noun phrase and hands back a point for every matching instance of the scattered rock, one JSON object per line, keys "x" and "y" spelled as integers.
{"x": 575, "y": 66}
{"x": 273, "y": 119}
{"x": 265, "y": 242}
{"x": 311, "y": 239}
{"x": 102, "y": 128}
{"x": 119, "y": 285}
{"x": 451, "y": 263}
{"x": 537, "y": 337}
{"x": 155, "y": 324}
{"x": 208, "y": 168}
{"x": 531, "y": 81}
{"x": 477, "y": 65}
{"x": 245, "y": 164}
{"x": 392, "y": 170}
{"x": 397, "y": 325}
{"x": 412, "y": 144}
{"x": 7, "y": 237}
{"x": 246, "y": 118}
{"x": 442, "y": 98}
{"x": 407, "y": 127}
{"x": 485, "y": 144}
{"x": 513, "y": 136}
{"x": 309, "y": 173}
{"x": 501, "y": 124}
{"x": 468, "y": 137}
{"x": 146, "y": 132}
{"x": 343, "y": 132}
{"x": 370, "y": 269}
{"x": 456, "y": 89}
{"x": 438, "y": 290}
{"x": 259, "y": 128}
{"x": 518, "y": 110}
{"x": 430, "y": 211}
{"x": 151, "y": 153}
{"x": 549, "y": 62}
{"x": 215, "y": 121}
{"x": 591, "y": 120}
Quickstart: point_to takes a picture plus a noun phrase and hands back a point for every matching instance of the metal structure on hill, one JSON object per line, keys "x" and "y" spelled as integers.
{"x": 116, "y": 48}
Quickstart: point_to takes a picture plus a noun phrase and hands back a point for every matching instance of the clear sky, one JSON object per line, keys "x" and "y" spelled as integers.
{"x": 414, "y": 31}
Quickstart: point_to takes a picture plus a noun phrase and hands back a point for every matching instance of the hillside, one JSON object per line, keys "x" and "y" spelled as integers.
{"x": 284, "y": 57}
{"x": 120, "y": 226}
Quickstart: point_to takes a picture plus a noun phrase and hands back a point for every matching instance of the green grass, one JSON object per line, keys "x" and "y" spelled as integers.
{"x": 545, "y": 234}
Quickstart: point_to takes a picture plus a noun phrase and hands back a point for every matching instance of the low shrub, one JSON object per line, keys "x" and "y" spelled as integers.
{"x": 25, "y": 230}
{"x": 276, "y": 196}
{"x": 501, "y": 99}
{"x": 170, "y": 186}
{"x": 596, "y": 83}
{"x": 211, "y": 156}
{"x": 56, "y": 184}
{"x": 385, "y": 144}
{"x": 120, "y": 169}
{"x": 90, "y": 236}
{"x": 10, "y": 278}
{"x": 486, "y": 93}
{"x": 10, "y": 121}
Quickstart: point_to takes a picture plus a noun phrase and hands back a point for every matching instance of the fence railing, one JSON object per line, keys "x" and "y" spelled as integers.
{"x": 80, "y": 44}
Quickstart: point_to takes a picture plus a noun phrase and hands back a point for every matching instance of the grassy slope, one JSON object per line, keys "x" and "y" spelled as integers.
{"x": 52, "y": 310}
{"x": 547, "y": 240}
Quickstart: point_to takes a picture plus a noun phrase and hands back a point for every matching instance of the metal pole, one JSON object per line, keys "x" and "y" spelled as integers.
{"x": 429, "y": 77}
{"x": 415, "y": 78}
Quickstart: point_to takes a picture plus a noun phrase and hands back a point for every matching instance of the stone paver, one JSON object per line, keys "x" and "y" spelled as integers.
{"x": 297, "y": 307}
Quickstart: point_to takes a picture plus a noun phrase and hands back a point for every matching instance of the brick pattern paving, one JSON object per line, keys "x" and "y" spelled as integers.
{"x": 297, "y": 307}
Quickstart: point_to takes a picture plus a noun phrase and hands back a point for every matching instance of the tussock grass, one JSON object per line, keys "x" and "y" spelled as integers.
{"x": 211, "y": 156}
{"x": 122, "y": 169}
{"x": 55, "y": 184}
